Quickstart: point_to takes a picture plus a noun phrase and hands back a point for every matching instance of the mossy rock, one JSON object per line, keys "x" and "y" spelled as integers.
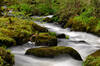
{"x": 51, "y": 52}
{"x": 16, "y": 31}
{"x": 93, "y": 59}
{"x": 45, "y": 39}
{"x": 6, "y": 58}
{"x": 47, "y": 19}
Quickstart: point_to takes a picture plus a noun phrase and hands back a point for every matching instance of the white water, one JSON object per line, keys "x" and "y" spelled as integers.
{"x": 91, "y": 44}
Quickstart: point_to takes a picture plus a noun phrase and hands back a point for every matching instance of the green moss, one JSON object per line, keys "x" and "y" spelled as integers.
{"x": 45, "y": 39}
{"x": 53, "y": 52}
{"x": 93, "y": 59}
{"x": 67, "y": 37}
{"x": 7, "y": 41}
{"x": 17, "y": 32}
{"x": 6, "y": 58}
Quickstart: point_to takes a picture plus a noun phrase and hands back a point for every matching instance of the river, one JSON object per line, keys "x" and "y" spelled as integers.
{"x": 83, "y": 42}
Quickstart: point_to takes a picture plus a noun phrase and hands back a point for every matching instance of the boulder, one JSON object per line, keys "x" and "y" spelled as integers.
{"x": 51, "y": 52}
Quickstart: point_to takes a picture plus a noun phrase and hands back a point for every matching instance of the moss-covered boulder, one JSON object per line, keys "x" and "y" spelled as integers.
{"x": 53, "y": 52}
{"x": 45, "y": 39}
{"x": 6, "y": 58}
{"x": 93, "y": 59}
{"x": 16, "y": 31}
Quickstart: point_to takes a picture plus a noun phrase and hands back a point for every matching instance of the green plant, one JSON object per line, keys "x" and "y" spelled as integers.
{"x": 52, "y": 33}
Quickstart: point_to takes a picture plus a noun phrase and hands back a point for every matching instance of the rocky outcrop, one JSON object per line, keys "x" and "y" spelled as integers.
{"x": 53, "y": 52}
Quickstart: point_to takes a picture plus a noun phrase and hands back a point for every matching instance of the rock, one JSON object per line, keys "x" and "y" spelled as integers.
{"x": 6, "y": 58}
{"x": 61, "y": 36}
{"x": 93, "y": 59}
{"x": 82, "y": 41}
{"x": 45, "y": 39}
{"x": 50, "y": 52}
{"x": 47, "y": 19}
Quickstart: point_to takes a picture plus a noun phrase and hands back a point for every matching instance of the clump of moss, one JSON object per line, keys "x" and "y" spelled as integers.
{"x": 45, "y": 39}
{"x": 53, "y": 52}
{"x": 18, "y": 31}
{"x": 93, "y": 59}
{"x": 6, "y": 58}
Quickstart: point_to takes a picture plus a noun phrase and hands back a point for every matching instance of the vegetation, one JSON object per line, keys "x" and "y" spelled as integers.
{"x": 93, "y": 59}
{"x": 53, "y": 52}
{"x": 14, "y": 31}
{"x": 32, "y": 7}
{"x": 45, "y": 39}
{"x": 16, "y": 26}
{"x": 79, "y": 15}
{"x": 6, "y": 58}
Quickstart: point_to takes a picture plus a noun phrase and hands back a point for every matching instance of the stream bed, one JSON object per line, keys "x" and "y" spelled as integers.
{"x": 84, "y": 43}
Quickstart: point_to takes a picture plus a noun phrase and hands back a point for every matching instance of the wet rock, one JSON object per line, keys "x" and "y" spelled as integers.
{"x": 61, "y": 36}
{"x": 93, "y": 59}
{"x": 82, "y": 41}
{"x": 50, "y": 52}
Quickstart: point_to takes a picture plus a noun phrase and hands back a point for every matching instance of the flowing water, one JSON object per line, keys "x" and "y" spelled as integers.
{"x": 84, "y": 43}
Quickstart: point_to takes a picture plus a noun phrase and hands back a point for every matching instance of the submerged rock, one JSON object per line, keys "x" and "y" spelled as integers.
{"x": 93, "y": 59}
{"x": 53, "y": 52}
{"x": 6, "y": 58}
